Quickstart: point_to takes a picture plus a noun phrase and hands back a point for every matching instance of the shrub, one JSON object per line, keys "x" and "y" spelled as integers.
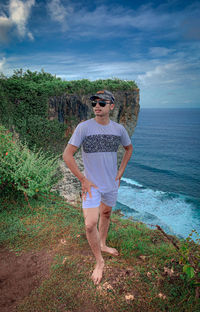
{"x": 24, "y": 170}
{"x": 48, "y": 135}
{"x": 189, "y": 257}
{"x": 24, "y": 105}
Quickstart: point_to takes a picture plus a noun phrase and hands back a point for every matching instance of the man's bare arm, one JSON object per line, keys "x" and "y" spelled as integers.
{"x": 125, "y": 159}
{"x": 68, "y": 157}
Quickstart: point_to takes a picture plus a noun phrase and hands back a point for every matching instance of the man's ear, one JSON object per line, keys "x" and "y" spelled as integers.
{"x": 112, "y": 106}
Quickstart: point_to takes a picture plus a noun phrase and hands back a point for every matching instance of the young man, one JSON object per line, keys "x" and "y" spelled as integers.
{"x": 100, "y": 138}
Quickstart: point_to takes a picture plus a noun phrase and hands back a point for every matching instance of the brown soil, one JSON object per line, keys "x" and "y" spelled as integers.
{"x": 19, "y": 275}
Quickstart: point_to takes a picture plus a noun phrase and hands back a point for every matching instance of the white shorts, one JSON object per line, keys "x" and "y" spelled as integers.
{"x": 108, "y": 199}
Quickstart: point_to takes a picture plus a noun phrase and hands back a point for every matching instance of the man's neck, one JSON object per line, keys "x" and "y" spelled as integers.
{"x": 102, "y": 120}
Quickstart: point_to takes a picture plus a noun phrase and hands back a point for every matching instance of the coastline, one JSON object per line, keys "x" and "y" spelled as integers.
{"x": 69, "y": 188}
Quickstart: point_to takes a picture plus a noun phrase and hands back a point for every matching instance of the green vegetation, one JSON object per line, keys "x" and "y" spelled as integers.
{"x": 24, "y": 108}
{"x": 147, "y": 276}
{"x": 189, "y": 256}
{"x": 24, "y": 105}
{"x": 22, "y": 170}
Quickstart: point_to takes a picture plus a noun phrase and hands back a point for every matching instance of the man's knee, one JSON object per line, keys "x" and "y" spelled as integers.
{"x": 106, "y": 213}
{"x": 90, "y": 226}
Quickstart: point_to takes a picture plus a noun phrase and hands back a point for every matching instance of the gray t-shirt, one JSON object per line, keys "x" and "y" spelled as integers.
{"x": 99, "y": 145}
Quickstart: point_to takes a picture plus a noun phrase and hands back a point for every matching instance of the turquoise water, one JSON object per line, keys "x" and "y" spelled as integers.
{"x": 161, "y": 184}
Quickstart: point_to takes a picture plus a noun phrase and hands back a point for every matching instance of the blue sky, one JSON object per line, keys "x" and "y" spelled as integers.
{"x": 155, "y": 43}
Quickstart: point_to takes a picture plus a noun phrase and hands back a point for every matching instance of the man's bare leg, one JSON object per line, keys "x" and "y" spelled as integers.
{"x": 104, "y": 222}
{"x": 91, "y": 216}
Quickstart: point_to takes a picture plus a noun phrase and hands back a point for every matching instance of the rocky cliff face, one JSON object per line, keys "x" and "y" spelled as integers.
{"x": 71, "y": 109}
{"x": 76, "y": 107}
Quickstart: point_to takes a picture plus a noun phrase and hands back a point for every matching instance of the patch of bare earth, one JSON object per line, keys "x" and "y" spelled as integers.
{"x": 19, "y": 275}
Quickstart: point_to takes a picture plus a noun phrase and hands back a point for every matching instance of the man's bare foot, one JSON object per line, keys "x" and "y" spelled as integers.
{"x": 98, "y": 272}
{"x": 110, "y": 250}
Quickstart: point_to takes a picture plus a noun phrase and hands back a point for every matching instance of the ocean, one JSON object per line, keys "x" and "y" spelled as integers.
{"x": 161, "y": 184}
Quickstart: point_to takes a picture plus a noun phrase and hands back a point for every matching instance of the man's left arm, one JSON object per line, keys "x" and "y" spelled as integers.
{"x": 125, "y": 159}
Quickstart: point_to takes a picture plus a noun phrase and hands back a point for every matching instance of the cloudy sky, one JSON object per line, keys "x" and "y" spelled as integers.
{"x": 156, "y": 43}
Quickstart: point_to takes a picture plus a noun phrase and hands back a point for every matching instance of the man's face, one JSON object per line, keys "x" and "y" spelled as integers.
{"x": 103, "y": 111}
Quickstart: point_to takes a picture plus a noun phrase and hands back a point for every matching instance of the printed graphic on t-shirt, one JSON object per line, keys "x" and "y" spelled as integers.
{"x": 101, "y": 143}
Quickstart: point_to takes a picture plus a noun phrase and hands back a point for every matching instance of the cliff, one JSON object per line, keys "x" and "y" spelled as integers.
{"x": 71, "y": 109}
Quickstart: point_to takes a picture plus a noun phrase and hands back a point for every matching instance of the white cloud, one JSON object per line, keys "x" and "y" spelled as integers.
{"x": 5, "y": 26}
{"x": 144, "y": 18}
{"x": 58, "y": 12}
{"x": 118, "y": 21}
{"x": 160, "y": 51}
{"x": 162, "y": 83}
{"x": 19, "y": 13}
{"x": 75, "y": 66}
{"x": 30, "y": 35}
{"x": 2, "y": 63}
{"x": 175, "y": 81}
{"x": 160, "y": 73}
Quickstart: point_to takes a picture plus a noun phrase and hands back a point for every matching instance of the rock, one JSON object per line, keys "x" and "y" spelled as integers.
{"x": 71, "y": 109}
{"x": 69, "y": 187}
{"x": 129, "y": 297}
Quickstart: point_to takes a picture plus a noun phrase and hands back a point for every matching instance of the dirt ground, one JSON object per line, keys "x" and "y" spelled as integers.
{"x": 19, "y": 275}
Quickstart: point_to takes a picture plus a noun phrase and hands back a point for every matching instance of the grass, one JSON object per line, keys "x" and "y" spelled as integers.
{"x": 134, "y": 281}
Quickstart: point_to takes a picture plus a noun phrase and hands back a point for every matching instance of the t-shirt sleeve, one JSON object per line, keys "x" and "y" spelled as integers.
{"x": 77, "y": 136}
{"x": 125, "y": 139}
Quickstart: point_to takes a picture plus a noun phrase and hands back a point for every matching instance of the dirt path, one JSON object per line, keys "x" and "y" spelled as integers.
{"x": 19, "y": 275}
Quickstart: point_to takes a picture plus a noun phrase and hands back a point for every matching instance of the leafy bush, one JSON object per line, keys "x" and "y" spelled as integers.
{"x": 43, "y": 133}
{"x": 23, "y": 170}
{"x": 189, "y": 257}
{"x": 24, "y": 104}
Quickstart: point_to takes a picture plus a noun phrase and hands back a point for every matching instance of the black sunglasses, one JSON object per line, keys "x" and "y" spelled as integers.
{"x": 101, "y": 103}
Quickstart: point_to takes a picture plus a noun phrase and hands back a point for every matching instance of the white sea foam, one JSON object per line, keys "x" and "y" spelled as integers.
{"x": 171, "y": 211}
{"x": 132, "y": 182}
